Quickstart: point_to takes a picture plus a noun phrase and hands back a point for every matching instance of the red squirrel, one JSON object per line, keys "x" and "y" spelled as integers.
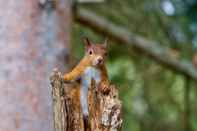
{"x": 92, "y": 66}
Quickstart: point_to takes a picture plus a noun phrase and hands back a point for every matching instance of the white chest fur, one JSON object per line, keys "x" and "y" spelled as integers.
{"x": 91, "y": 73}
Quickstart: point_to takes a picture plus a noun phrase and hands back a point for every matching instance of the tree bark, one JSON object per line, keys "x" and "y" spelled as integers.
{"x": 104, "y": 109}
{"x": 33, "y": 40}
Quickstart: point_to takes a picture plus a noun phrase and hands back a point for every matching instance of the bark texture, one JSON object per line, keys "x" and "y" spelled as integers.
{"x": 33, "y": 40}
{"x": 104, "y": 109}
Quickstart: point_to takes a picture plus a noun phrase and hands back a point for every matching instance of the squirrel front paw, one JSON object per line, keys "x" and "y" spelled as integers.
{"x": 64, "y": 80}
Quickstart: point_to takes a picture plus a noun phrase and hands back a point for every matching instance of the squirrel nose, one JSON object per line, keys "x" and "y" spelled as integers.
{"x": 100, "y": 60}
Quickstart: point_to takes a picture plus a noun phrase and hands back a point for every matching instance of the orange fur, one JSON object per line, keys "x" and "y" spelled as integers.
{"x": 87, "y": 61}
{"x": 78, "y": 70}
{"x": 95, "y": 58}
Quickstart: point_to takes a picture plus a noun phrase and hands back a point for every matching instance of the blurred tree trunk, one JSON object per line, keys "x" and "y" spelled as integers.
{"x": 34, "y": 38}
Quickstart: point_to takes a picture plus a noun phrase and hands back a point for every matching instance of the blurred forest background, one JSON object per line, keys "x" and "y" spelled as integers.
{"x": 155, "y": 98}
{"x": 152, "y": 58}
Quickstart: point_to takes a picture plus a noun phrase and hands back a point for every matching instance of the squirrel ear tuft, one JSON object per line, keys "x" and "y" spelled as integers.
{"x": 105, "y": 42}
{"x": 86, "y": 42}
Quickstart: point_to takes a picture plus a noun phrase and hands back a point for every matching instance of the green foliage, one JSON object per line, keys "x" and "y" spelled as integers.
{"x": 153, "y": 96}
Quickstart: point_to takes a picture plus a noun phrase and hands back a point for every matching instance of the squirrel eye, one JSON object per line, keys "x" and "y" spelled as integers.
{"x": 90, "y": 52}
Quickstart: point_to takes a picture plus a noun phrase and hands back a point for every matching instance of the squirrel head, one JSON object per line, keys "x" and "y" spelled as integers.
{"x": 95, "y": 52}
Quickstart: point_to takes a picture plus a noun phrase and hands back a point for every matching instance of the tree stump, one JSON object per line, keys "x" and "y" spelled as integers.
{"x": 104, "y": 109}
